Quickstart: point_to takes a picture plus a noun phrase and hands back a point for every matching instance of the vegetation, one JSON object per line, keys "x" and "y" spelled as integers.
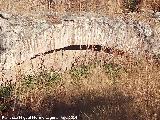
{"x": 121, "y": 89}
{"x": 114, "y": 90}
{"x": 5, "y": 97}
{"x": 113, "y": 71}
{"x": 97, "y": 6}
{"x": 132, "y": 5}
{"x": 81, "y": 71}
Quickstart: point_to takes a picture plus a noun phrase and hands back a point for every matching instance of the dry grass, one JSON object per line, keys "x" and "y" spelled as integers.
{"x": 151, "y": 4}
{"x": 77, "y": 6}
{"x": 123, "y": 89}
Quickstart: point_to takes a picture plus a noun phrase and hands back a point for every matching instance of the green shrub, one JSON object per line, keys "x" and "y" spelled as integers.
{"x": 112, "y": 70}
{"x": 131, "y": 5}
{"x": 5, "y": 96}
{"x": 43, "y": 78}
{"x": 54, "y": 76}
{"x": 29, "y": 81}
{"x": 78, "y": 72}
{"x": 5, "y": 91}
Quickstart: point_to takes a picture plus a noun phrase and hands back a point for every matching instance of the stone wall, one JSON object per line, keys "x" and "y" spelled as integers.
{"x": 23, "y": 38}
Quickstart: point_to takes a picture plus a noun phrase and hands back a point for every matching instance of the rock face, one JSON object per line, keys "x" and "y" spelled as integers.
{"x": 24, "y": 38}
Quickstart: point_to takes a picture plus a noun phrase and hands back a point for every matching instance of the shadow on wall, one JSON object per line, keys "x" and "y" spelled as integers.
{"x": 84, "y": 47}
{"x": 2, "y": 50}
{"x": 114, "y": 106}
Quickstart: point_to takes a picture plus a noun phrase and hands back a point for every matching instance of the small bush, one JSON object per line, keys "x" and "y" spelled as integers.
{"x": 29, "y": 80}
{"x": 78, "y": 72}
{"x": 5, "y": 91}
{"x": 42, "y": 77}
{"x": 112, "y": 70}
{"x": 5, "y": 97}
{"x": 131, "y": 5}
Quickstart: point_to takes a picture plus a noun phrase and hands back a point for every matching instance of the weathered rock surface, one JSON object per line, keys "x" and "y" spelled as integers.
{"x": 24, "y": 38}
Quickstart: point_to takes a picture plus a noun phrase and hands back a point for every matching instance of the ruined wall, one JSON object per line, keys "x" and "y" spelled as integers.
{"x": 23, "y": 38}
